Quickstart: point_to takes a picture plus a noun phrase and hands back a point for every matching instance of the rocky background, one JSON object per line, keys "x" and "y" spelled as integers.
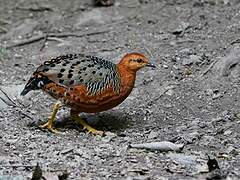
{"x": 191, "y": 99}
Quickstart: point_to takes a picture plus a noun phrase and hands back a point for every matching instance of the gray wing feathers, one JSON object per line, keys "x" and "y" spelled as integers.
{"x": 97, "y": 74}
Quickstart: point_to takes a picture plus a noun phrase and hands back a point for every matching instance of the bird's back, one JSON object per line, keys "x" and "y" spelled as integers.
{"x": 77, "y": 69}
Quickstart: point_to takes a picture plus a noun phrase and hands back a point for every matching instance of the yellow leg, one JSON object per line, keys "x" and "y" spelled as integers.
{"x": 90, "y": 129}
{"x": 51, "y": 119}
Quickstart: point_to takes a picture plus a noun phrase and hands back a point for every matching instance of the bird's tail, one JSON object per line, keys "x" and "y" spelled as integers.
{"x": 37, "y": 81}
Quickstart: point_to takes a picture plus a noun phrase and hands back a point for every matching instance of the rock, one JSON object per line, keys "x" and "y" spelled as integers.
{"x": 186, "y": 160}
{"x": 12, "y": 177}
{"x": 232, "y": 150}
{"x": 103, "y": 2}
{"x": 202, "y": 168}
{"x": 178, "y": 28}
{"x": 227, "y": 132}
{"x": 153, "y": 135}
{"x": 109, "y": 136}
{"x": 206, "y": 139}
{"x": 160, "y": 146}
{"x": 191, "y": 137}
{"x": 229, "y": 65}
{"x": 170, "y": 92}
{"x": 193, "y": 59}
{"x": 216, "y": 96}
{"x": 50, "y": 176}
{"x": 185, "y": 51}
{"x": 165, "y": 66}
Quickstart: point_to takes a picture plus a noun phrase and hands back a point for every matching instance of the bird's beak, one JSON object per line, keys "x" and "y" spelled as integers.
{"x": 151, "y": 65}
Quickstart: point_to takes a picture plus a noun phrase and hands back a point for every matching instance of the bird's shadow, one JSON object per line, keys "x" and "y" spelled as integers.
{"x": 114, "y": 121}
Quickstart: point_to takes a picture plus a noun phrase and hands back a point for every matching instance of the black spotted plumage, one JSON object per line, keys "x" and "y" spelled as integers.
{"x": 75, "y": 69}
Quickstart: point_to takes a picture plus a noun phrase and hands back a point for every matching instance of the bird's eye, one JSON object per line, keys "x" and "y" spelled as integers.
{"x": 139, "y": 60}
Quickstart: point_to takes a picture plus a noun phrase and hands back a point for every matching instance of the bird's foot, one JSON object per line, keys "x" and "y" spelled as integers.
{"x": 51, "y": 119}
{"x": 49, "y": 127}
{"x": 87, "y": 127}
{"x": 91, "y": 130}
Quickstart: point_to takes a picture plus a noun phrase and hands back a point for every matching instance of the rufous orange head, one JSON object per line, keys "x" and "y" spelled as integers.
{"x": 135, "y": 61}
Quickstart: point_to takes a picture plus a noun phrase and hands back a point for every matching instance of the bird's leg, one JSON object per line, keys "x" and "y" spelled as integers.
{"x": 51, "y": 119}
{"x": 90, "y": 129}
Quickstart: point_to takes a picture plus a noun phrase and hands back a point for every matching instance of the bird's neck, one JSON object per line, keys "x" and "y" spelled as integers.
{"x": 127, "y": 77}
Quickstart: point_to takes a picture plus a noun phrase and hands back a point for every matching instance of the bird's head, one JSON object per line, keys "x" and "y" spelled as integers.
{"x": 135, "y": 61}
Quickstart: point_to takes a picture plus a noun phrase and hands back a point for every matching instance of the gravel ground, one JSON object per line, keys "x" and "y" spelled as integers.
{"x": 193, "y": 98}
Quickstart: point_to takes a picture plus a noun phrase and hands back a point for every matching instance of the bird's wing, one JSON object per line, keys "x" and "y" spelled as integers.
{"x": 75, "y": 69}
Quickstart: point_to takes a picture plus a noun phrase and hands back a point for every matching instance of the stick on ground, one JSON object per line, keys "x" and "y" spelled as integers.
{"x": 43, "y": 36}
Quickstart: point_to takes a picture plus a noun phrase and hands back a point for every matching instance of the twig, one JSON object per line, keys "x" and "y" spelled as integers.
{"x": 208, "y": 69}
{"x": 26, "y": 41}
{"x": 3, "y": 29}
{"x": 44, "y": 42}
{"x": 40, "y": 37}
{"x": 235, "y": 41}
{"x": 3, "y": 21}
{"x": 9, "y": 99}
{"x": 3, "y": 100}
{"x": 29, "y": 117}
{"x": 55, "y": 39}
{"x": 36, "y": 9}
{"x": 16, "y": 166}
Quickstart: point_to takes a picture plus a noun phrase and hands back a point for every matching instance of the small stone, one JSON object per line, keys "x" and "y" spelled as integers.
{"x": 193, "y": 59}
{"x": 165, "y": 66}
{"x": 227, "y": 132}
{"x": 225, "y": 113}
{"x": 183, "y": 159}
{"x": 178, "y": 28}
{"x": 238, "y": 115}
{"x": 209, "y": 92}
{"x": 191, "y": 137}
{"x": 185, "y": 51}
{"x": 153, "y": 135}
{"x": 170, "y": 92}
{"x": 216, "y": 96}
{"x": 85, "y": 155}
{"x": 231, "y": 150}
{"x": 217, "y": 119}
{"x": 18, "y": 56}
{"x": 168, "y": 105}
{"x": 50, "y": 176}
{"x": 103, "y": 2}
{"x": 108, "y": 136}
{"x": 202, "y": 168}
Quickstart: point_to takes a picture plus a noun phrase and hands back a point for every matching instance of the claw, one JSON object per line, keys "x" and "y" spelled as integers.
{"x": 86, "y": 127}
{"x": 94, "y": 131}
{"x": 49, "y": 127}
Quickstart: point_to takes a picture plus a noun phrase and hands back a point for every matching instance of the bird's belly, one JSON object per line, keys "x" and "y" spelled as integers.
{"x": 78, "y": 99}
{"x": 103, "y": 101}
{"x": 96, "y": 107}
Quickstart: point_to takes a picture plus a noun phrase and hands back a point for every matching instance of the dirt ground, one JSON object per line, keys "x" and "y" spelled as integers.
{"x": 193, "y": 98}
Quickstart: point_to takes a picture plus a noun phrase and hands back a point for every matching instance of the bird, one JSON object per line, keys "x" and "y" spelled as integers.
{"x": 86, "y": 83}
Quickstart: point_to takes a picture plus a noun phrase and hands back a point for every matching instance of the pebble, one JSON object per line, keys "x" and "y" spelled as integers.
{"x": 153, "y": 135}
{"x": 193, "y": 59}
